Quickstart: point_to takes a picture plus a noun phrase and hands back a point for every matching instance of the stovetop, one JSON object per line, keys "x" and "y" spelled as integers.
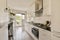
{"x": 42, "y": 26}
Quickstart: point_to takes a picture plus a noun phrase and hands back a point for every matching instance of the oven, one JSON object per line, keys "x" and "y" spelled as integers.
{"x": 35, "y": 32}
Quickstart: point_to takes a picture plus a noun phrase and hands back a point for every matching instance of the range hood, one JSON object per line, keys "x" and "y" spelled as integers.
{"x": 39, "y": 12}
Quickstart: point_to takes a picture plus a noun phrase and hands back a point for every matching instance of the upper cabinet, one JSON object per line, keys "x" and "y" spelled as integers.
{"x": 47, "y": 7}
{"x": 3, "y": 14}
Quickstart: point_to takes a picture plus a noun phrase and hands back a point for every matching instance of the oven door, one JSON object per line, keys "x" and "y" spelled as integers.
{"x": 35, "y": 31}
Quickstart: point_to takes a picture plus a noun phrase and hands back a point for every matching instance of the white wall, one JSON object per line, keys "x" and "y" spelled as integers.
{"x": 42, "y": 19}
{"x": 31, "y": 13}
{"x": 55, "y": 8}
{"x": 3, "y": 21}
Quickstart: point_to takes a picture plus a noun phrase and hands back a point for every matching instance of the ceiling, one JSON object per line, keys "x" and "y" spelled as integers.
{"x": 20, "y": 4}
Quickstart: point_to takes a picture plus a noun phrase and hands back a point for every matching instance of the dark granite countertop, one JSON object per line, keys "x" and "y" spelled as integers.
{"x": 40, "y": 25}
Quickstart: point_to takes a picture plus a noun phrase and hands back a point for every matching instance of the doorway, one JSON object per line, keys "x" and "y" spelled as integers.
{"x": 19, "y": 20}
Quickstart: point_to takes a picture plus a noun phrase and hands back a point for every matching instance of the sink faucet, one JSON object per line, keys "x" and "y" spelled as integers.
{"x": 48, "y": 23}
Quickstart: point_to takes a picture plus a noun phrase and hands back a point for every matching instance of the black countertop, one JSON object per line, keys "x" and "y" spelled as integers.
{"x": 40, "y": 25}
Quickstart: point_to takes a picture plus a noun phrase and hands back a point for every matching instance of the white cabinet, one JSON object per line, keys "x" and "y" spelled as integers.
{"x": 55, "y": 35}
{"x": 2, "y": 13}
{"x": 55, "y": 38}
{"x": 28, "y": 28}
{"x": 44, "y": 34}
{"x": 46, "y": 7}
{"x": 55, "y": 8}
{"x": 3, "y": 21}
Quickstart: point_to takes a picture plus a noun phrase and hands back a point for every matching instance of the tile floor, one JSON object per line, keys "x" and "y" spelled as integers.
{"x": 22, "y": 35}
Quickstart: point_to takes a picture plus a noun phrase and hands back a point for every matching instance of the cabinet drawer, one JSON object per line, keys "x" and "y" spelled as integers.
{"x": 55, "y": 35}
{"x": 44, "y": 35}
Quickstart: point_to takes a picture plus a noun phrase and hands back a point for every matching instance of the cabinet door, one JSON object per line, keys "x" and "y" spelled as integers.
{"x": 3, "y": 21}
{"x": 27, "y": 27}
{"x": 44, "y": 35}
{"x": 55, "y": 35}
{"x": 46, "y": 7}
{"x": 3, "y": 15}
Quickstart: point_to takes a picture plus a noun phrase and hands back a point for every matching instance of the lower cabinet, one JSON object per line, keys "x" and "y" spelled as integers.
{"x": 44, "y": 35}
{"x": 28, "y": 28}
{"x": 55, "y": 37}
{"x": 4, "y": 33}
